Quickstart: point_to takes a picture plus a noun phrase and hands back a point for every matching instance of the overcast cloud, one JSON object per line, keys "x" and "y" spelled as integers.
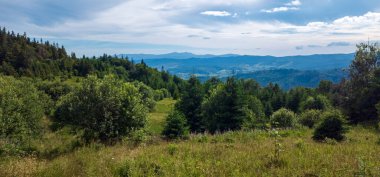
{"x": 255, "y": 27}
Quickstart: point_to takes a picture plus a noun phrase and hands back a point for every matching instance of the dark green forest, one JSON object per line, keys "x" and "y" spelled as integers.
{"x": 35, "y": 58}
{"x": 103, "y": 99}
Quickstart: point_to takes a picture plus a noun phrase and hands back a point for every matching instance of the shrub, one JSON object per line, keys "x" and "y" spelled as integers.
{"x": 22, "y": 108}
{"x": 283, "y": 118}
{"x": 147, "y": 94}
{"x": 176, "y": 126}
{"x": 310, "y": 117}
{"x": 106, "y": 109}
{"x": 138, "y": 137}
{"x": 332, "y": 126}
{"x": 55, "y": 89}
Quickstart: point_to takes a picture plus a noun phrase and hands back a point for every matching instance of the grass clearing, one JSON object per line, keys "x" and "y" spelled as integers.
{"x": 156, "y": 119}
{"x": 240, "y": 153}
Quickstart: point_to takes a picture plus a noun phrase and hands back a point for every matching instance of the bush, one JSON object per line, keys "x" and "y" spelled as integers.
{"x": 22, "y": 108}
{"x": 176, "y": 126}
{"x": 332, "y": 126}
{"x": 310, "y": 117}
{"x": 147, "y": 94}
{"x": 283, "y": 118}
{"x": 55, "y": 89}
{"x": 106, "y": 109}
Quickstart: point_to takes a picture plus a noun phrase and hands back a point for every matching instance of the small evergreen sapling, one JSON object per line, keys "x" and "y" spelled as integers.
{"x": 332, "y": 126}
{"x": 176, "y": 126}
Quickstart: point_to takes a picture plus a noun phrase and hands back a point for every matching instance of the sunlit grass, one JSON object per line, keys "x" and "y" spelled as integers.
{"x": 156, "y": 118}
{"x": 241, "y": 153}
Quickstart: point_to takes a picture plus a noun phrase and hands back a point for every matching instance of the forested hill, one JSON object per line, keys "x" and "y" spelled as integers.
{"x": 23, "y": 56}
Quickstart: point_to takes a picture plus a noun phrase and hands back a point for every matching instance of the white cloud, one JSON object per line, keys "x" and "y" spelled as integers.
{"x": 294, "y": 3}
{"x": 155, "y": 22}
{"x": 279, "y": 9}
{"x": 216, "y": 13}
{"x": 289, "y": 6}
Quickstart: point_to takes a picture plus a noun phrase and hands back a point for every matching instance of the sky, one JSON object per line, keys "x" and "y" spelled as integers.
{"x": 247, "y": 27}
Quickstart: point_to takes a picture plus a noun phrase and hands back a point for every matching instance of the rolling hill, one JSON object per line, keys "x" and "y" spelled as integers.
{"x": 288, "y": 71}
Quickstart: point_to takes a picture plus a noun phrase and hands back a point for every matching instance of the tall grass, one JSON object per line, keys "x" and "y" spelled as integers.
{"x": 240, "y": 153}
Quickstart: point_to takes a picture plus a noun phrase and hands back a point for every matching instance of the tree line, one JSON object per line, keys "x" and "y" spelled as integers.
{"x": 105, "y": 99}
{"x": 22, "y": 56}
{"x": 216, "y": 106}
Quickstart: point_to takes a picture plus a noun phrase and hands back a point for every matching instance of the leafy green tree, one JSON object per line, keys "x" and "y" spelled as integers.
{"x": 22, "y": 108}
{"x": 176, "y": 126}
{"x": 19, "y": 56}
{"x": 268, "y": 109}
{"x": 211, "y": 84}
{"x": 310, "y": 117}
{"x": 147, "y": 94}
{"x": 364, "y": 84}
{"x": 273, "y": 95}
{"x": 55, "y": 89}
{"x": 332, "y": 126}
{"x": 190, "y": 104}
{"x": 224, "y": 110}
{"x": 319, "y": 102}
{"x": 295, "y": 98}
{"x": 255, "y": 113}
{"x": 106, "y": 109}
{"x": 325, "y": 87}
{"x": 283, "y": 118}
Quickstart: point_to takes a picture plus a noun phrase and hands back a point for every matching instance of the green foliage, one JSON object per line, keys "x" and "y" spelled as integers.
{"x": 147, "y": 94}
{"x": 190, "y": 104}
{"x": 172, "y": 149}
{"x": 273, "y": 97}
{"x": 138, "y": 137}
{"x": 22, "y": 108}
{"x": 295, "y": 98}
{"x": 276, "y": 160}
{"x": 21, "y": 56}
{"x": 361, "y": 91}
{"x": 55, "y": 89}
{"x": 106, "y": 109}
{"x": 378, "y": 110}
{"x": 176, "y": 126}
{"x": 160, "y": 94}
{"x": 319, "y": 102}
{"x": 224, "y": 109}
{"x": 125, "y": 170}
{"x": 310, "y": 117}
{"x": 325, "y": 87}
{"x": 283, "y": 118}
{"x": 332, "y": 126}
{"x": 255, "y": 116}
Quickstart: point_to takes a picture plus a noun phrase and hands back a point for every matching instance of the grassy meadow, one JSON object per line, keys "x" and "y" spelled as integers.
{"x": 240, "y": 153}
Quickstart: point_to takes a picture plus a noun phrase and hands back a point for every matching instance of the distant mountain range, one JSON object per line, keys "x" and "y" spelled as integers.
{"x": 174, "y": 55}
{"x": 288, "y": 71}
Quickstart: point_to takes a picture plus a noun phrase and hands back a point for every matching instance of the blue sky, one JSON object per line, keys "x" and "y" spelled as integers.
{"x": 254, "y": 27}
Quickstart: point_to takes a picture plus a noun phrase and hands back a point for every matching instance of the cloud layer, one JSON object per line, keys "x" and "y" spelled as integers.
{"x": 256, "y": 27}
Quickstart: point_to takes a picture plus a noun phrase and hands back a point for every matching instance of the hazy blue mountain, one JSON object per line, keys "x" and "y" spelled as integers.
{"x": 174, "y": 55}
{"x": 288, "y": 71}
{"x": 227, "y": 65}
{"x": 289, "y": 78}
